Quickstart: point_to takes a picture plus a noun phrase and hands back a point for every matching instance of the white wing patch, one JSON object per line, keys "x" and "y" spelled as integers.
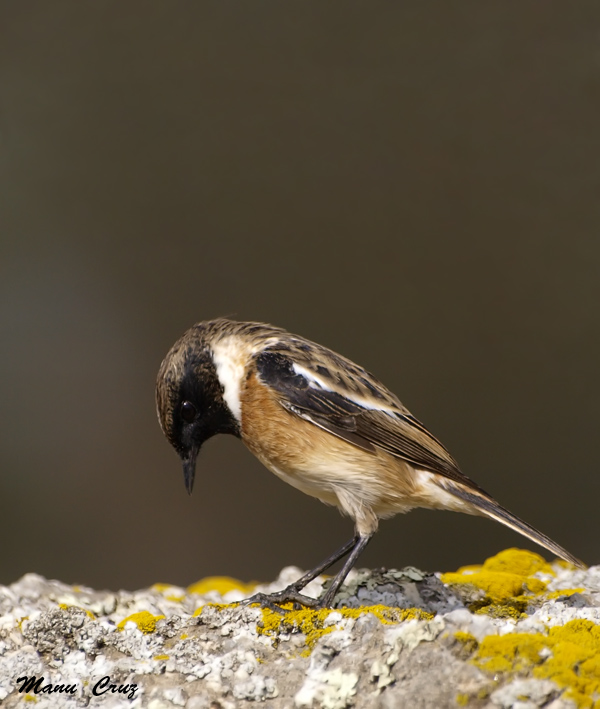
{"x": 313, "y": 381}
{"x": 316, "y": 382}
{"x": 371, "y": 405}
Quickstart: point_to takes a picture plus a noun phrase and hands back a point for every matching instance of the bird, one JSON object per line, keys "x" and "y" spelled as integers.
{"x": 319, "y": 422}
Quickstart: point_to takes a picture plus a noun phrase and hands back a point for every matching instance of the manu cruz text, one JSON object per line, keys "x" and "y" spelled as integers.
{"x": 38, "y": 685}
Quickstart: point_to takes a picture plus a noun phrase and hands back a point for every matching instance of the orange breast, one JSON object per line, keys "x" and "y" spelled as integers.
{"x": 277, "y": 437}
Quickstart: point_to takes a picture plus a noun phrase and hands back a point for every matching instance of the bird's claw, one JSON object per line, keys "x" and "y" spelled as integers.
{"x": 288, "y": 595}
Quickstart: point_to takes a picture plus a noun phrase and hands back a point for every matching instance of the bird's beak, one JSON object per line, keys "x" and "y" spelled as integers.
{"x": 189, "y": 469}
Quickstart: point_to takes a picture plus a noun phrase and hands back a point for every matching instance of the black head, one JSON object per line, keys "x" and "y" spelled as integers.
{"x": 189, "y": 400}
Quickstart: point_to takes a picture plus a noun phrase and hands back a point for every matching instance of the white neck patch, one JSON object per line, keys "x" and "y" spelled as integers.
{"x": 230, "y": 357}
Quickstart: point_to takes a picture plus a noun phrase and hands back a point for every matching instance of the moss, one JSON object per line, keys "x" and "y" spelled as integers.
{"x": 144, "y": 620}
{"x": 569, "y": 655}
{"x": 221, "y": 584}
{"x": 311, "y": 622}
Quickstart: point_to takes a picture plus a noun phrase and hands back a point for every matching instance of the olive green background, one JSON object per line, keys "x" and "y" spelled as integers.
{"x": 415, "y": 185}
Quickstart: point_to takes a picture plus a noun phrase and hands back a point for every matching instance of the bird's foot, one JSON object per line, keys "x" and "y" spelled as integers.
{"x": 274, "y": 601}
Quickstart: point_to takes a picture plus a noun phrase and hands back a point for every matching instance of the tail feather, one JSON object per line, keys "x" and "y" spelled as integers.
{"x": 490, "y": 508}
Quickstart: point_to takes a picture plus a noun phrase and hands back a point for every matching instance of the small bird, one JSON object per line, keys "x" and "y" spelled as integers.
{"x": 319, "y": 422}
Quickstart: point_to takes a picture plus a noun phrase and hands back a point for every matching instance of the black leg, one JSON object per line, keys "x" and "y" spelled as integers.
{"x": 292, "y": 592}
{"x": 361, "y": 543}
{"x": 324, "y": 565}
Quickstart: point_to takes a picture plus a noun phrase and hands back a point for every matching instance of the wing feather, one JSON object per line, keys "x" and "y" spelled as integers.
{"x": 352, "y": 414}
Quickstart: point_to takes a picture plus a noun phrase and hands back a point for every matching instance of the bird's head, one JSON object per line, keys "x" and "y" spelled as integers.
{"x": 189, "y": 399}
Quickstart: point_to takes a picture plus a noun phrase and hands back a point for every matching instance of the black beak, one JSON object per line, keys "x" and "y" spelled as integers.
{"x": 189, "y": 469}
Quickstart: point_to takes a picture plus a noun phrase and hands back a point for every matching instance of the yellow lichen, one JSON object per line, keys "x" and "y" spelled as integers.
{"x": 30, "y": 698}
{"x": 307, "y": 621}
{"x": 183, "y": 636}
{"x": 518, "y": 561}
{"x": 412, "y": 614}
{"x": 160, "y": 657}
{"x": 569, "y": 655}
{"x": 564, "y": 592}
{"x": 311, "y": 622}
{"x": 513, "y": 651}
{"x": 144, "y": 620}
{"x": 468, "y": 641}
{"x": 161, "y": 587}
{"x": 504, "y": 576}
{"x": 221, "y": 584}
{"x": 462, "y": 700}
{"x": 507, "y": 581}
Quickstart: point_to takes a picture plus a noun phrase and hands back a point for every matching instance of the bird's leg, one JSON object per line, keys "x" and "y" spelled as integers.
{"x": 360, "y": 543}
{"x": 292, "y": 592}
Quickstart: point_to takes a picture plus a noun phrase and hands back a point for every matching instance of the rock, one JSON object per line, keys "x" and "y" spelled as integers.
{"x": 394, "y": 639}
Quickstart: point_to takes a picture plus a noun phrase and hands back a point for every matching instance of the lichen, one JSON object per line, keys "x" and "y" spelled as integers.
{"x": 569, "y": 655}
{"x": 161, "y": 587}
{"x": 222, "y": 585}
{"x": 218, "y": 606}
{"x": 307, "y": 621}
{"x": 66, "y": 606}
{"x": 564, "y": 592}
{"x": 169, "y": 592}
{"x": 506, "y": 583}
{"x": 312, "y": 622}
{"x": 145, "y": 621}
{"x": 467, "y": 641}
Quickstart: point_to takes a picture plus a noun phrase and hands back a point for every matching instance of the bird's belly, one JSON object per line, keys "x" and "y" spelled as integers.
{"x": 303, "y": 480}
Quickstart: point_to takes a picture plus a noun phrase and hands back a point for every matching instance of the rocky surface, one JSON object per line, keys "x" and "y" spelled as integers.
{"x": 515, "y": 632}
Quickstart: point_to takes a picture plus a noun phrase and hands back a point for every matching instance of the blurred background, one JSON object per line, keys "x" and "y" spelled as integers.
{"x": 414, "y": 185}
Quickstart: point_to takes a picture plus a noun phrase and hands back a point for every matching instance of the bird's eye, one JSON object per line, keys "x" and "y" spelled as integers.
{"x": 188, "y": 411}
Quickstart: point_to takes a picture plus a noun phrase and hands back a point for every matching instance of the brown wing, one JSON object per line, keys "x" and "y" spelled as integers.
{"x": 393, "y": 430}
